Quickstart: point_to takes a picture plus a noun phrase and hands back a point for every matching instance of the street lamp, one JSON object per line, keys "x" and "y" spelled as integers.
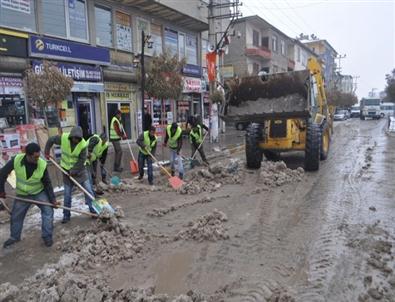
{"x": 145, "y": 40}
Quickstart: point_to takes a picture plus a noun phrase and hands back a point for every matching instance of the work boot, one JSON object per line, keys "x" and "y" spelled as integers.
{"x": 172, "y": 173}
{"x": 48, "y": 242}
{"x": 65, "y": 220}
{"x": 104, "y": 181}
{"x": 206, "y": 163}
{"x": 99, "y": 192}
{"x": 9, "y": 242}
{"x": 181, "y": 176}
{"x": 140, "y": 177}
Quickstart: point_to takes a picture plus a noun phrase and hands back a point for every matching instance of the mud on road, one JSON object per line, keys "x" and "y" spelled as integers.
{"x": 274, "y": 234}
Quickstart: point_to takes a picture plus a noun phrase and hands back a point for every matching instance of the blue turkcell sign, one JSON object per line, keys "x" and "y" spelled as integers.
{"x": 43, "y": 47}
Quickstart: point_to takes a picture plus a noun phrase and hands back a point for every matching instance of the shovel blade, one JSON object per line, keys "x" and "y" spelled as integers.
{"x": 134, "y": 167}
{"x": 100, "y": 204}
{"x": 175, "y": 182}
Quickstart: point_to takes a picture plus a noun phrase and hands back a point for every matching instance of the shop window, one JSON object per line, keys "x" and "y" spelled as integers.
{"x": 265, "y": 42}
{"x": 65, "y": 18}
{"x": 124, "y": 31}
{"x": 171, "y": 41}
{"x": 191, "y": 49}
{"x": 181, "y": 46}
{"x": 103, "y": 24}
{"x": 255, "y": 38}
{"x": 18, "y": 14}
{"x": 274, "y": 43}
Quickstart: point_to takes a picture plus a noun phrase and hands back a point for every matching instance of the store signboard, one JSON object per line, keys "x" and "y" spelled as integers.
{"x": 13, "y": 46}
{"x": 118, "y": 95}
{"x": 50, "y": 48}
{"x": 78, "y": 72}
{"x": 22, "y": 6}
{"x": 192, "y": 85}
{"x": 192, "y": 70}
{"x": 11, "y": 85}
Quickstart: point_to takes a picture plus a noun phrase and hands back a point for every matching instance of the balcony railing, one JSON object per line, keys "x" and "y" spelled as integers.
{"x": 258, "y": 51}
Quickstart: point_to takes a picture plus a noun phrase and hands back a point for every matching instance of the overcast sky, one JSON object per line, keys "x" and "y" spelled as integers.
{"x": 364, "y": 30}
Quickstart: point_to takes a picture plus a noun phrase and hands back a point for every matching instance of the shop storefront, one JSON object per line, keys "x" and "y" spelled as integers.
{"x": 82, "y": 107}
{"x": 122, "y": 96}
{"x": 13, "y": 50}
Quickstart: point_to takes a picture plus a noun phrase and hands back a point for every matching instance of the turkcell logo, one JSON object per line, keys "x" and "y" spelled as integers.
{"x": 40, "y": 45}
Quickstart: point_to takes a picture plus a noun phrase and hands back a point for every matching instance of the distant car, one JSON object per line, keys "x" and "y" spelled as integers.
{"x": 341, "y": 115}
{"x": 355, "y": 111}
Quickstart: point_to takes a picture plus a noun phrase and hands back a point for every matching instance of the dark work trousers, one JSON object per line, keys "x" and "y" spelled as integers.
{"x": 117, "y": 155}
{"x": 94, "y": 171}
{"x": 200, "y": 150}
{"x": 142, "y": 159}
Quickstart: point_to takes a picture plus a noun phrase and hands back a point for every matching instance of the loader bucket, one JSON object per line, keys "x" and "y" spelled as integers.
{"x": 281, "y": 95}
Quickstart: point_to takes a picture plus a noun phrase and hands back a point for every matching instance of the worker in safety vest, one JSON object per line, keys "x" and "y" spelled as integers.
{"x": 32, "y": 182}
{"x": 173, "y": 139}
{"x": 196, "y": 137}
{"x": 147, "y": 142}
{"x": 117, "y": 133}
{"x": 97, "y": 151}
{"x": 73, "y": 159}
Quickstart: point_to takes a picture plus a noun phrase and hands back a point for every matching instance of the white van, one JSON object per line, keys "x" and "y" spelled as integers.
{"x": 387, "y": 109}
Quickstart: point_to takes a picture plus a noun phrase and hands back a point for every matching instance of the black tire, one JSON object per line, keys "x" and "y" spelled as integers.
{"x": 313, "y": 147}
{"x": 324, "y": 153}
{"x": 253, "y": 137}
{"x": 271, "y": 155}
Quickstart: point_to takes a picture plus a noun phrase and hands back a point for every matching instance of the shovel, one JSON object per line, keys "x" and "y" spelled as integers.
{"x": 193, "y": 161}
{"x": 174, "y": 181}
{"x": 115, "y": 180}
{"x": 51, "y": 205}
{"x": 134, "y": 167}
{"x": 97, "y": 204}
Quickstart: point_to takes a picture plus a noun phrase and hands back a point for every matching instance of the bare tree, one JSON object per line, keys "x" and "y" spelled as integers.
{"x": 47, "y": 88}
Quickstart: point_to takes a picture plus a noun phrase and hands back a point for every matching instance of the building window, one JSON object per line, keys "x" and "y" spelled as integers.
{"x": 18, "y": 14}
{"x": 191, "y": 49}
{"x": 298, "y": 54}
{"x": 171, "y": 42}
{"x": 103, "y": 23}
{"x": 156, "y": 37}
{"x": 265, "y": 42}
{"x": 124, "y": 31}
{"x": 282, "y": 43}
{"x": 54, "y": 17}
{"x": 274, "y": 43}
{"x": 181, "y": 46}
{"x": 78, "y": 22}
{"x": 255, "y": 38}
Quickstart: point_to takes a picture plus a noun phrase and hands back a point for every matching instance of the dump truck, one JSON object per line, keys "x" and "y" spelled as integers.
{"x": 285, "y": 111}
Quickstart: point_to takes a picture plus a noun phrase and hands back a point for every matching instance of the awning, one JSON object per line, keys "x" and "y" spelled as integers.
{"x": 160, "y": 10}
{"x": 87, "y": 87}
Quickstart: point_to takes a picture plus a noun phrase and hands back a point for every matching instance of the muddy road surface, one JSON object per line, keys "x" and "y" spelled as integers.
{"x": 274, "y": 234}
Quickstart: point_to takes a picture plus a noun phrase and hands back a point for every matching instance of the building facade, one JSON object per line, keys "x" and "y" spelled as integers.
{"x": 300, "y": 54}
{"x": 259, "y": 46}
{"x": 95, "y": 43}
{"x": 345, "y": 83}
{"x": 327, "y": 55}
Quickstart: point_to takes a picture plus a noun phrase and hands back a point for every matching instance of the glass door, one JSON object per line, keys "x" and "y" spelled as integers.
{"x": 85, "y": 117}
{"x": 112, "y": 108}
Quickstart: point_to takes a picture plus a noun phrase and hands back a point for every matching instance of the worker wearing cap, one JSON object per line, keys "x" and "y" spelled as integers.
{"x": 73, "y": 160}
{"x": 117, "y": 133}
{"x": 196, "y": 138}
{"x": 32, "y": 182}
{"x": 147, "y": 142}
{"x": 97, "y": 151}
{"x": 173, "y": 139}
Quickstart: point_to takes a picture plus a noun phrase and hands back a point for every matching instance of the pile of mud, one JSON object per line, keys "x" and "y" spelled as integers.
{"x": 164, "y": 211}
{"x": 208, "y": 227}
{"x": 275, "y": 174}
{"x": 211, "y": 179}
{"x": 128, "y": 185}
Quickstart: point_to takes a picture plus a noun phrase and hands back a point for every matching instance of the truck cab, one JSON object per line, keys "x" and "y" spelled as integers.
{"x": 370, "y": 108}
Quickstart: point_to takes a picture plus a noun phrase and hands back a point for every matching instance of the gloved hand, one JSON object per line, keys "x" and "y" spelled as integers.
{"x": 2, "y": 195}
{"x": 125, "y": 136}
{"x": 47, "y": 156}
{"x": 56, "y": 204}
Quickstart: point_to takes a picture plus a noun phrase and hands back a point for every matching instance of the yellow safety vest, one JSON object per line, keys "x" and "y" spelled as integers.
{"x": 148, "y": 144}
{"x": 70, "y": 158}
{"x": 173, "y": 140}
{"x": 33, "y": 185}
{"x": 98, "y": 150}
{"x": 198, "y": 135}
{"x": 113, "y": 133}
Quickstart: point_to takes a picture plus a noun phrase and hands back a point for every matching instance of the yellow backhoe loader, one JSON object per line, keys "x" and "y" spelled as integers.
{"x": 285, "y": 111}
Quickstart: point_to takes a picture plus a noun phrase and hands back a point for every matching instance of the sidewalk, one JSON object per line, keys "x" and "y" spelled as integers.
{"x": 230, "y": 139}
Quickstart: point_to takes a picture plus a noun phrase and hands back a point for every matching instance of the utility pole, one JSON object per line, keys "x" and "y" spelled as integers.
{"x": 142, "y": 79}
{"x": 355, "y": 83}
{"x": 340, "y": 57}
{"x": 213, "y": 7}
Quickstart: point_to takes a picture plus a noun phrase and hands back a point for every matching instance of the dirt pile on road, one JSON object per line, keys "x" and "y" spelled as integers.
{"x": 275, "y": 174}
{"x": 164, "y": 211}
{"x": 210, "y": 179}
{"x": 128, "y": 185}
{"x": 207, "y": 227}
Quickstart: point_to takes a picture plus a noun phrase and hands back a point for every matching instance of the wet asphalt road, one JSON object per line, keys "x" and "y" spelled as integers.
{"x": 314, "y": 239}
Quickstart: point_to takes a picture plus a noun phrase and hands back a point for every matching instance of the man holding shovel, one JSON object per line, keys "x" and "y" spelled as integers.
{"x": 173, "y": 139}
{"x": 32, "y": 182}
{"x": 117, "y": 133}
{"x": 97, "y": 151}
{"x": 196, "y": 137}
{"x": 147, "y": 143}
{"x": 73, "y": 160}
